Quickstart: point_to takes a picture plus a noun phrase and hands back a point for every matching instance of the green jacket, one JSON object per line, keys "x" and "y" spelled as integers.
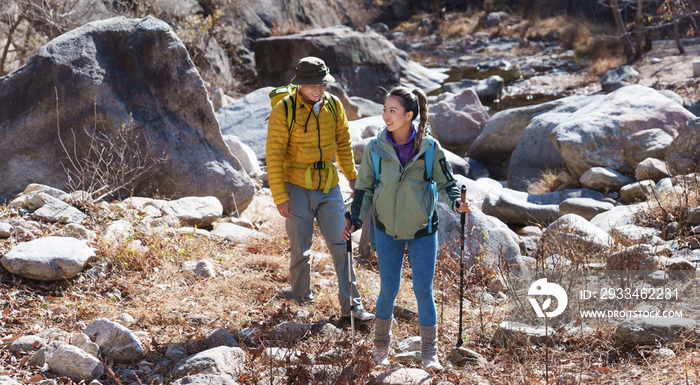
{"x": 402, "y": 199}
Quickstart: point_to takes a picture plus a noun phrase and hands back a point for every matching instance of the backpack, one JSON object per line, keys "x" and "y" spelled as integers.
{"x": 429, "y": 159}
{"x": 284, "y": 93}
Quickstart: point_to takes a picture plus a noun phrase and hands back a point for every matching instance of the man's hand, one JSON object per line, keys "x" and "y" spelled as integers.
{"x": 285, "y": 209}
{"x": 352, "y": 187}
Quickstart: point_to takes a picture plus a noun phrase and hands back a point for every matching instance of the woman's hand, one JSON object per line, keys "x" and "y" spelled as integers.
{"x": 464, "y": 207}
{"x": 347, "y": 231}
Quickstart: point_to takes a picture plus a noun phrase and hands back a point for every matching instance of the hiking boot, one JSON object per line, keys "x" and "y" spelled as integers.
{"x": 428, "y": 348}
{"x": 361, "y": 317}
{"x": 382, "y": 340}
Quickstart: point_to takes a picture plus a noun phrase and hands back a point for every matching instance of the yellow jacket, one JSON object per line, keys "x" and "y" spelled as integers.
{"x": 313, "y": 139}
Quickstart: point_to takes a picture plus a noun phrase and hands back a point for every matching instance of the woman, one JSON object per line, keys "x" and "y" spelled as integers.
{"x": 404, "y": 213}
{"x": 304, "y": 180}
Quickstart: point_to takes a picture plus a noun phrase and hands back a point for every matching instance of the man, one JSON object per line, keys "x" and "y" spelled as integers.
{"x": 304, "y": 181}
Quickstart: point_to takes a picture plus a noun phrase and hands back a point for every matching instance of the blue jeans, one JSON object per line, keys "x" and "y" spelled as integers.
{"x": 423, "y": 254}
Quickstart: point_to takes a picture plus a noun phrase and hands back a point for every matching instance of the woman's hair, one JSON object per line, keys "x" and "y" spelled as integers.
{"x": 414, "y": 101}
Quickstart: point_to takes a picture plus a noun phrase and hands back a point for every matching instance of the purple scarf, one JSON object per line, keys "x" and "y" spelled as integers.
{"x": 404, "y": 151}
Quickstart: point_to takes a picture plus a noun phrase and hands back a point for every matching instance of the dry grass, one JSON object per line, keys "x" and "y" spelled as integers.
{"x": 544, "y": 183}
{"x": 174, "y": 307}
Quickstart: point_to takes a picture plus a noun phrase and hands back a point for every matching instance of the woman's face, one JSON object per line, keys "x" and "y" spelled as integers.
{"x": 395, "y": 116}
{"x": 312, "y": 93}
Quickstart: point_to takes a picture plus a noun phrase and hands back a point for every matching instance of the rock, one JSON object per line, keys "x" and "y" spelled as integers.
{"x": 289, "y": 331}
{"x": 27, "y": 344}
{"x": 358, "y": 148}
{"x": 461, "y": 356}
{"x": 618, "y": 77}
{"x": 476, "y": 169}
{"x": 221, "y": 360}
{"x": 204, "y": 268}
{"x": 244, "y": 154}
{"x": 513, "y": 334}
{"x": 77, "y": 231}
{"x": 7, "y": 380}
{"x": 604, "y": 179}
{"x": 683, "y": 155}
{"x": 48, "y": 259}
{"x": 210, "y": 59}
{"x": 633, "y": 234}
{"x": 574, "y": 237}
{"x": 493, "y": 19}
{"x": 283, "y": 356}
{"x": 636, "y": 192}
{"x": 402, "y": 376}
{"x": 126, "y": 318}
{"x": 128, "y": 73}
{"x": 535, "y": 152}
{"x": 617, "y": 217}
{"x": 487, "y": 90}
{"x": 116, "y": 342}
{"x": 655, "y": 330}
{"x": 585, "y": 207}
{"x": 405, "y": 313}
{"x": 410, "y": 344}
{"x": 407, "y": 358}
{"x": 73, "y": 362}
{"x": 366, "y": 108}
{"x": 117, "y": 232}
{"x": 351, "y": 109}
{"x": 206, "y": 379}
{"x": 6, "y": 230}
{"x": 176, "y": 352}
{"x": 246, "y": 119}
{"x": 501, "y": 134}
{"x": 459, "y": 164}
{"x": 42, "y": 356}
{"x": 595, "y": 135}
{"x": 220, "y": 99}
{"x": 679, "y": 264}
{"x": 488, "y": 240}
{"x": 83, "y": 341}
{"x": 651, "y": 169}
{"x": 54, "y": 210}
{"x": 516, "y": 207}
{"x": 235, "y": 233}
{"x": 193, "y": 211}
{"x": 30, "y": 197}
{"x": 652, "y": 143}
{"x": 220, "y": 337}
{"x": 358, "y": 61}
{"x": 457, "y": 120}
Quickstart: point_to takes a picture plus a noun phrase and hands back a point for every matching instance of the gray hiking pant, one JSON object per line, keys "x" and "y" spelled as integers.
{"x": 329, "y": 211}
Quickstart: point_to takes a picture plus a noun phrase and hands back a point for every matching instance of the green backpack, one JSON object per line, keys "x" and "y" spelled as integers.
{"x": 284, "y": 93}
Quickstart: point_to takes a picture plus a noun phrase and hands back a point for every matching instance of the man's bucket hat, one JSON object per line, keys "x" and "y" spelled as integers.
{"x": 312, "y": 70}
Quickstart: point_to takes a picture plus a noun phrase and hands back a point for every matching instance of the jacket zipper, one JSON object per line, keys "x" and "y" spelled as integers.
{"x": 320, "y": 151}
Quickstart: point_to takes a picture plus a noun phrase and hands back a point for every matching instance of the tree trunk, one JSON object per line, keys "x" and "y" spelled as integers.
{"x": 639, "y": 29}
{"x": 13, "y": 27}
{"x": 527, "y": 9}
{"x": 622, "y": 31}
{"x": 677, "y": 36}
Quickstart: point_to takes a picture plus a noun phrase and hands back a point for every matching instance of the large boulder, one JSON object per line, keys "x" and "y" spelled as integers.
{"x": 653, "y": 143}
{"x": 135, "y": 79}
{"x": 48, "y": 259}
{"x": 488, "y": 240}
{"x": 519, "y": 208}
{"x": 535, "y": 152}
{"x": 684, "y": 154}
{"x": 573, "y": 238}
{"x": 246, "y": 118}
{"x": 115, "y": 341}
{"x": 457, "y": 120}
{"x": 501, "y": 134}
{"x": 596, "y": 134}
{"x": 358, "y": 61}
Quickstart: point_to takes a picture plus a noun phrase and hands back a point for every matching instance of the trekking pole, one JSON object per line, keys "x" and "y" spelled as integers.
{"x": 348, "y": 222}
{"x": 461, "y": 267}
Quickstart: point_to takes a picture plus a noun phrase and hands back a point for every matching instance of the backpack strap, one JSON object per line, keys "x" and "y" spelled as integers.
{"x": 429, "y": 160}
{"x": 330, "y": 100}
{"x": 376, "y": 161}
{"x": 290, "y": 108}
